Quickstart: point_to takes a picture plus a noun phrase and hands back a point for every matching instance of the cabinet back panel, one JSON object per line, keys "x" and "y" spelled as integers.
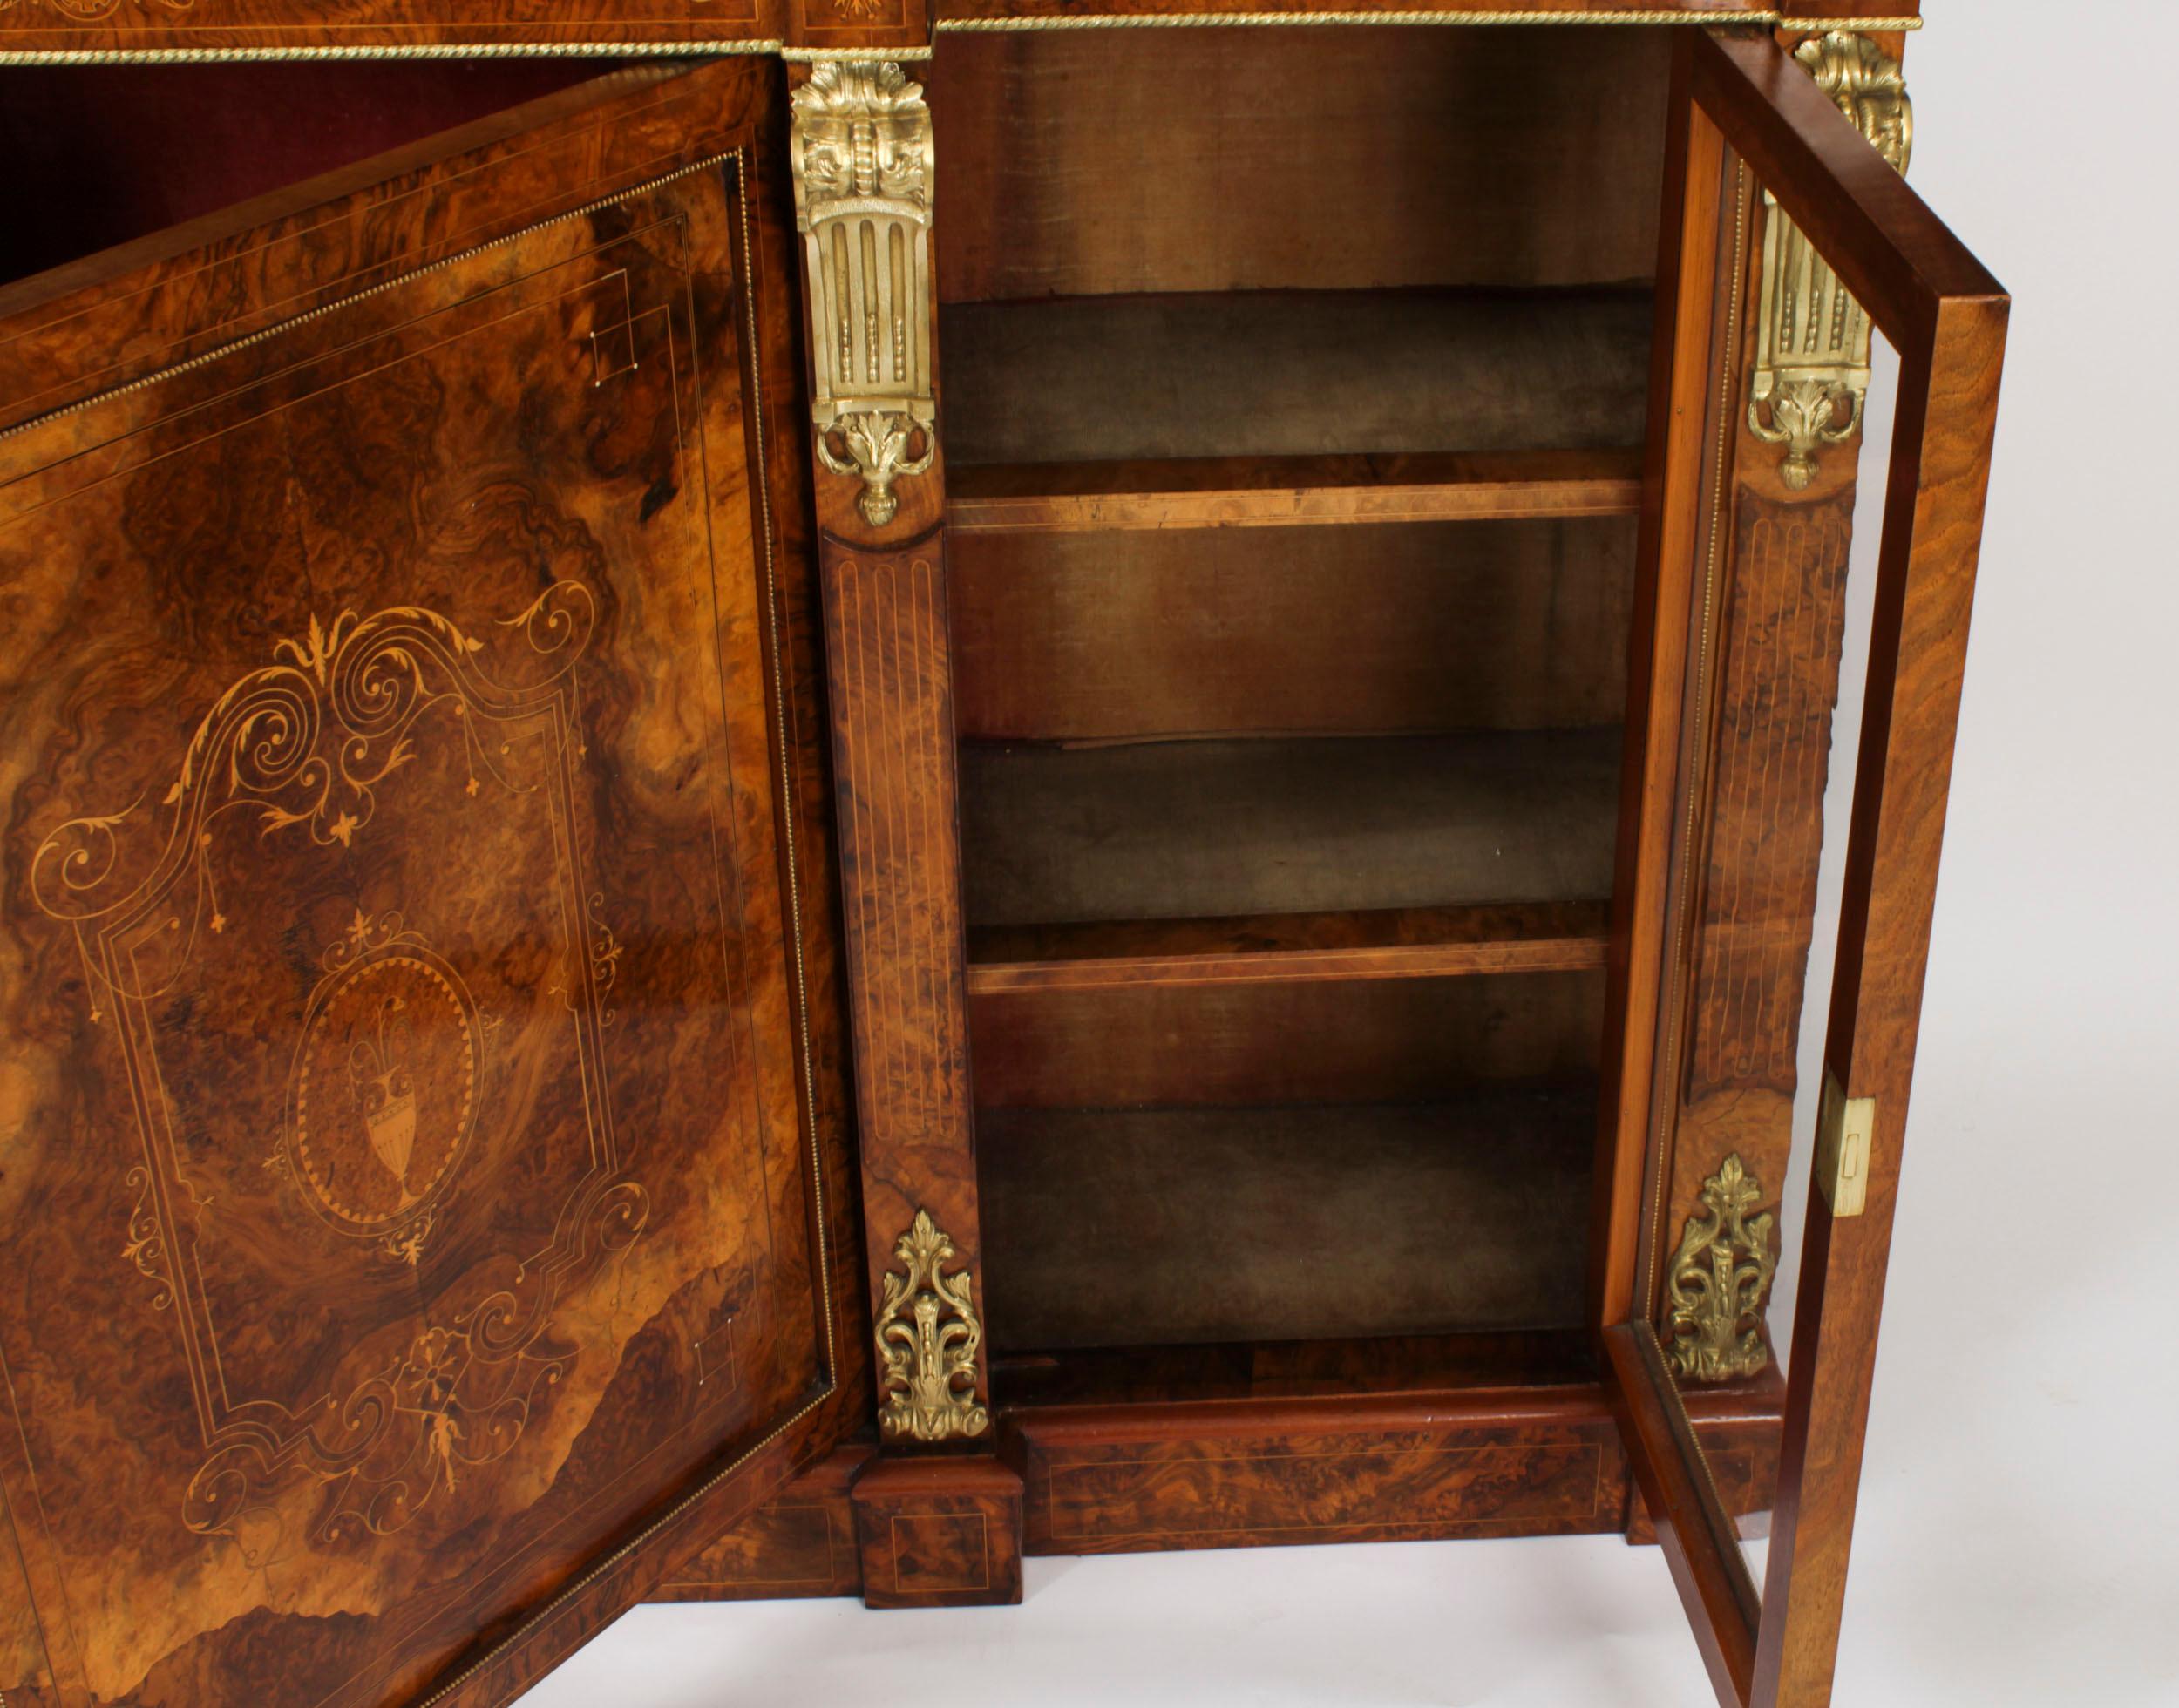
{"x": 1295, "y": 374}
{"x": 1213, "y": 829}
{"x": 1281, "y": 1043}
{"x": 1334, "y": 630}
{"x": 1082, "y": 163}
{"x": 1166, "y": 1226}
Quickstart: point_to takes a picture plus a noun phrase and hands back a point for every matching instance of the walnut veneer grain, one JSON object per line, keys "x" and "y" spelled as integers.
{"x": 416, "y": 1193}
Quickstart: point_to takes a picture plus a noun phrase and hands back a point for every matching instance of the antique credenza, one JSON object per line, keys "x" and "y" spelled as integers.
{"x": 847, "y": 790}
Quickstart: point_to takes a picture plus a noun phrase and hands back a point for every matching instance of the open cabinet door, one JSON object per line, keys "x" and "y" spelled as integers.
{"x": 1790, "y": 238}
{"x": 413, "y": 1140}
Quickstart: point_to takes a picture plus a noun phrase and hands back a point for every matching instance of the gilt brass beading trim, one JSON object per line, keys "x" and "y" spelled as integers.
{"x": 223, "y": 56}
{"x": 1667, "y": 15}
{"x": 928, "y": 1340}
{"x": 690, "y": 50}
{"x": 861, "y": 157}
{"x": 1718, "y": 1278}
{"x": 1811, "y": 377}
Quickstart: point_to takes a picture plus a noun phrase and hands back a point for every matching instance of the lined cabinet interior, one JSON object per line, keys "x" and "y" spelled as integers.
{"x": 1294, "y": 415}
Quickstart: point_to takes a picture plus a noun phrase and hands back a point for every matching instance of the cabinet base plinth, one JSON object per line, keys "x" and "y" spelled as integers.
{"x": 942, "y": 1531}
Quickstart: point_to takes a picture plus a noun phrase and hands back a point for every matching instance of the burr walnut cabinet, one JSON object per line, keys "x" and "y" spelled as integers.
{"x": 847, "y": 791}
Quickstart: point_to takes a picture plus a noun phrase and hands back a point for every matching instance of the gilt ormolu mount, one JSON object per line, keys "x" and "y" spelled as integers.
{"x": 863, "y": 181}
{"x": 1812, "y": 363}
{"x": 929, "y": 1338}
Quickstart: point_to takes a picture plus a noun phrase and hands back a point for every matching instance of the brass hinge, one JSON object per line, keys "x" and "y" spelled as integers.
{"x": 1845, "y": 1131}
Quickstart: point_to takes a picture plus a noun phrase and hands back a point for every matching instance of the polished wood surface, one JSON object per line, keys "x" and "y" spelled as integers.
{"x": 416, "y": 1227}
{"x": 890, "y": 709}
{"x": 1932, "y": 533}
{"x": 900, "y": 875}
{"x": 210, "y": 28}
{"x": 1900, "y": 261}
{"x": 1756, "y": 762}
{"x": 1391, "y": 943}
{"x": 1679, "y": 413}
{"x": 1738, "y": 1427}
{"x": 1696, "y": 10}
{"x": 228, "y": 276}
{"x": 1290, "y": 491}
{"x": 1220, "y": 1447}
{"x": 939, "y": 1531}
{"x": 799, "y": 1542}
{"x": 1375, "y": 1468}
{"x": 1346, "y": 1441}
{"x": 1697, "y": 1535}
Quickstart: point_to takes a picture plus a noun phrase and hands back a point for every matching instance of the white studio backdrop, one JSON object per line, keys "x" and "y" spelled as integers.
{"x": 2019, "y": 1539}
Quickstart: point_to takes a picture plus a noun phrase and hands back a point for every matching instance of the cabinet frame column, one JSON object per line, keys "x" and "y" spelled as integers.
{"x": 938, "y": 1515}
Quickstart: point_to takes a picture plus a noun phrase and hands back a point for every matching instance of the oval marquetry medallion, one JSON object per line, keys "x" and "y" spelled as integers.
{"x": 386, "y": 1090}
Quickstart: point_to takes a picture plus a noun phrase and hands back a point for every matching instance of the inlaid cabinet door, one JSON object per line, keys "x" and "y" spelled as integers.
{"x": 415, "y": 1220}
{"x": 1785, "y": 861}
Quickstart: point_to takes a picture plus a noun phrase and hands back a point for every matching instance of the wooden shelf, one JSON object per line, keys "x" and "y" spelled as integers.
{"x": 1294, "y": 374}
{"x": 1222, "y": 829}
{"x": 1291, "y": 492}
{"x": 1531, "y": 1360}
{"x": 1149, "y": 1227}
{"x": 1391, "y": 943}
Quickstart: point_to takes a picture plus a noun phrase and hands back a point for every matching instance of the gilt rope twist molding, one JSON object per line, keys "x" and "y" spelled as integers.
{"x": 1719, "y": 1277}
{"x": 1812, "y": 363}
{"x": 928, "y": 1339}
{"x": 1653, "y": 16}
{"x": 862, "y": 201}
{"x": 772, "y": 46}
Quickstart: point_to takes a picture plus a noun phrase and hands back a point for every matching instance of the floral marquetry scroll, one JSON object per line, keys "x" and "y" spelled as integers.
{"x": 928, "y": 1340}
{"x": 1719, "y": 1277}
{"x": 392, "y": 1055}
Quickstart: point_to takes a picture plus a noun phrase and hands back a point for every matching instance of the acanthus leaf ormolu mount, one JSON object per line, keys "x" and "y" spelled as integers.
{"x": 515, "y": 725}
{"x": 862, "y": 186}
{"x": 928, "y": 1338}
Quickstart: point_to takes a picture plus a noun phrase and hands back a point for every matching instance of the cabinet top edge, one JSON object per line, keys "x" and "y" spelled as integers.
{"x": 79, "y": 40}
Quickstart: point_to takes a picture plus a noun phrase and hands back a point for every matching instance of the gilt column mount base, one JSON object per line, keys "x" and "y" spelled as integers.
{"x": 939, "y": 1530}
